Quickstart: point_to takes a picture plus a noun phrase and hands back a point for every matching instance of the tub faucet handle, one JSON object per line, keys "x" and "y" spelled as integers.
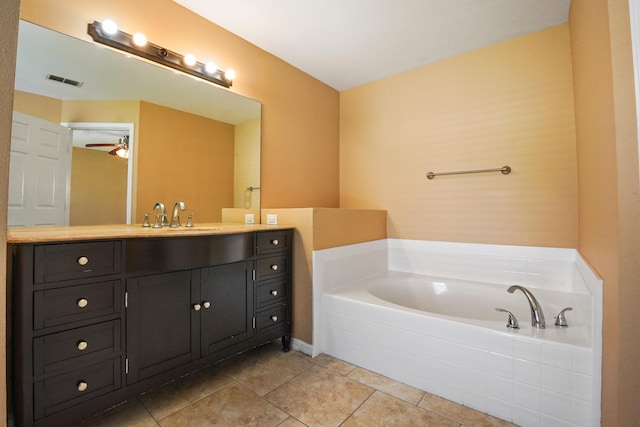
{"x": 512, "y": 322}
{"x": 561, "y": 320}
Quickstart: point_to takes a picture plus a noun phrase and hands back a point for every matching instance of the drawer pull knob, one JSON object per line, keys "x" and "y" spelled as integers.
{"x": 82, "y": 345}
{"x": 274, "y": 318}
{"x": 206, "y": 304}
{"x": 274, "y": 293}
{"x": 82, "y": 302}
{"x": 275, "y": 242}
{"x": 83, "y": 260}
{"x": 197, "y": 307}
{"x": 82, "y": 386}
{"x": 274, "y": 267}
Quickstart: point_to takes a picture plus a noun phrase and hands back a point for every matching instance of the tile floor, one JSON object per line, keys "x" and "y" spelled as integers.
{"x": 266, "y": 387}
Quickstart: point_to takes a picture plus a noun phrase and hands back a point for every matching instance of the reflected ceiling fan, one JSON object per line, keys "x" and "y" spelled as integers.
{"x": 121, "y": 148}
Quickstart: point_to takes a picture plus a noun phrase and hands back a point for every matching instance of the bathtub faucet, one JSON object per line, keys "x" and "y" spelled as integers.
{"x": 537, "y": 316}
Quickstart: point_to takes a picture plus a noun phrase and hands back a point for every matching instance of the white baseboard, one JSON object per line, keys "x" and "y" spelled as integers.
{"x": 301, "y": 346}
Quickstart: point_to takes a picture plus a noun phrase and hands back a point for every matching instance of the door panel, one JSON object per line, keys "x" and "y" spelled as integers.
{"x": 160, "y": 321}
{"x": 228, "y": 319}
{"x": 39, "y": 172}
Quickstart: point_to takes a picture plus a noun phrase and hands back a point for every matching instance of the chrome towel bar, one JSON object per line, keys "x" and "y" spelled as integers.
{"x": 506, "y": 170}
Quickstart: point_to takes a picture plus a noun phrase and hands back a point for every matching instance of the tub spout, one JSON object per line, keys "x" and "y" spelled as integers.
{"x": 537, "y": 316}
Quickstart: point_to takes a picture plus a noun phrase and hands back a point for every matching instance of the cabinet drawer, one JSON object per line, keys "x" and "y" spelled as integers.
{"x": 60, "y": 392}
{"x": 76, "y": 260}
{"x": 272, "y": 266}
{"x": 74, "y": 303}
{"x": 272, "y": 241}
{"x": 274, "y": 316}
{"x": 272, "y": 292}
{"x": 67, "y": 349}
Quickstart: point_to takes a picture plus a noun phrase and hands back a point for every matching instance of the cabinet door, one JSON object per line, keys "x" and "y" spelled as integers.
{"x": 160, "y": 324}
{"x": 227, "y": 301}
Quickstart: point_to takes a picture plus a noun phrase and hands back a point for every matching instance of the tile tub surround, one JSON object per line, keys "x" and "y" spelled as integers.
{"x": 530, "y": 382}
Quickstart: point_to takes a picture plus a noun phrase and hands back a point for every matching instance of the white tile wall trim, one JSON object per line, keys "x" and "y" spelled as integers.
{"x": 520, "y": 376}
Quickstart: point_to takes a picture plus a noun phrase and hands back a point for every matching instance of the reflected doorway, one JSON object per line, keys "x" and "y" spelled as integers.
{"x": 101, "y": 182}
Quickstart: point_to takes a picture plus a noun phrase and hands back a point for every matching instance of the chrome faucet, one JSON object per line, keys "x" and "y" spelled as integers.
{"x": 537, "y": 316}
{"x": 175, "y": 216}
{"x": 163, "y": 211}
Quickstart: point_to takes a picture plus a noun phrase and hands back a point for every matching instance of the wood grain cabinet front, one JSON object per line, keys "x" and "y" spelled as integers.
{"x": 95, "y": 323}
{"x": 74, "y": 303}
{"x": 59, "y": 392}
{"x": 66, "y": 261}
{"x": 76, "y": 347}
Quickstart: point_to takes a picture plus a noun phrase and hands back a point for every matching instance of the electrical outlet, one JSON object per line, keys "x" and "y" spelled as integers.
{"x": 249, "y": 219}
{"x": 272, "y": 219}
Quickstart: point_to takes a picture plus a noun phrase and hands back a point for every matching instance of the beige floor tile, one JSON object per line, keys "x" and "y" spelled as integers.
{"x": 384, "y": 410}
{"x": 130, "y": 414}
{"x": 291, "y": 422}
{"x": 319, "y": 397}
{"x": 462, "y": 414}
{"x": 266, "y": 368}
{"x": 234, "y": 405}
{"x": 387, "y": 385}
{"x": 172, "y": 397}
{"x": 333, "y": 364}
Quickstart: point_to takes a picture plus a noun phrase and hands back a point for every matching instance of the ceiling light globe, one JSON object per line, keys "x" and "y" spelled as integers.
{"x": 139, "y": 39}
{"x": 109, "y": 27}
{"x": 211, "y": 67}
{"x": 189, "y": 60}
{"x": 230, "y": 74}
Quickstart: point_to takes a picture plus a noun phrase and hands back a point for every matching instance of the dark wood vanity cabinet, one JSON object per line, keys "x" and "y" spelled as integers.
{"x": 95, "y": 323}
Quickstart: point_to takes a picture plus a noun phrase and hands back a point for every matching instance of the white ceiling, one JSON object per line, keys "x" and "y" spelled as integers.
{"x": 346, "y": 43}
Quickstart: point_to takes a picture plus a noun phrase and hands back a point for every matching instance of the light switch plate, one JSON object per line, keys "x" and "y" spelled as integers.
{"x": 272, "y": 219}
{"x": 249, "y": 219}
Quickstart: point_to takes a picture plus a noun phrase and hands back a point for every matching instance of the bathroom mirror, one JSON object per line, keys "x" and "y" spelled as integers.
{"x": 192, "y": 140}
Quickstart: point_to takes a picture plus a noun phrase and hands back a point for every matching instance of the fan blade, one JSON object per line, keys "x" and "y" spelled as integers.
{"x": 114, "y": 151}
{"x": 101, "y": 145}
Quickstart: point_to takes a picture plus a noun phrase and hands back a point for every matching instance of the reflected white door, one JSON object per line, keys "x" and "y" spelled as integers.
{"x": 39, "y": 172}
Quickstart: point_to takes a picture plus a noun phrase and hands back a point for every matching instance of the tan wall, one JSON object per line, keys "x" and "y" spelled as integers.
{"x": 184, "y": 157}
{"x": 321, "y": 228}
{"x": 247, "y": 165}
{"x": 507, "y": 104}
{"x": 299, "y": 115}
{"x": 46, "y": 108}
{"x": 609, "y": 191}
{"x": 121, "y": 111}
{"x": 8, "y": 42}
{"x": 98, "y": 188}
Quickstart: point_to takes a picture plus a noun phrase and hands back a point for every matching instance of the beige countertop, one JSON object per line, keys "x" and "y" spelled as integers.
{"x": 94, "y": 232}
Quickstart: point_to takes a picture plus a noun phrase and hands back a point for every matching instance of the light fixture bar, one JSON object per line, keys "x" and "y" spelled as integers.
{"x": 124, "y": 41}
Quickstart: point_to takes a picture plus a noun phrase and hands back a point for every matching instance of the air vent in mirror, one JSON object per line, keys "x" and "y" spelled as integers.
{"x": 63, "y": 80}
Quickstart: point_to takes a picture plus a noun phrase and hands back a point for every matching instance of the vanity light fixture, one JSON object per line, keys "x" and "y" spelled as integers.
{"x": 107, "y": 33}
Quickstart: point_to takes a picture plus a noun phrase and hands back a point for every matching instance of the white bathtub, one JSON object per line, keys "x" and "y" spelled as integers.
{"x": 440, "y": 333}
{"x": 474, "y": 303}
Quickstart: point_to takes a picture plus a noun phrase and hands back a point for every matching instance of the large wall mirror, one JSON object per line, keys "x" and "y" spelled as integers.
{"x": 188, "y": 140}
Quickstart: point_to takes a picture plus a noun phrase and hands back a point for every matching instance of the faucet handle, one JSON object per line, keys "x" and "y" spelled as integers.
{"x": 190, "y": 220}
{"x": 160, "y": 219}
{"x": 512, "y": 322}
{"x": 561, "y": 320}
{"x": 146, "y": 223}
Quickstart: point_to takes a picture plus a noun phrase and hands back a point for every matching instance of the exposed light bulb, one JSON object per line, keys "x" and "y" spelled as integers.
{"x": 122, "y": 152}
{"x": 230, "y": 74}
{"x": 139, "y": 39}
{"x": 109, "y": 27}
{"x": 189, "y": 60}
{"x": 210, "y": 67}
